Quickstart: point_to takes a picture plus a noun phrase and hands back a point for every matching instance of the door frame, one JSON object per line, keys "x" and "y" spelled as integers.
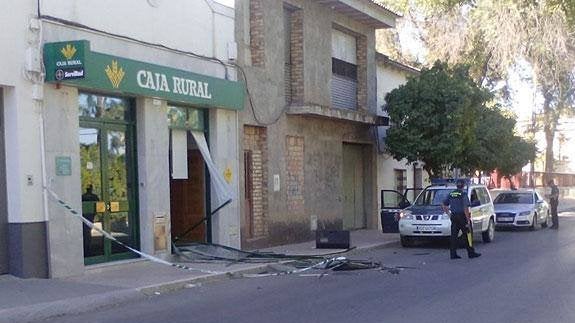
{"x": 351, "y": 152}
{"x": 4, "y": 263}
{"x": 203, "y": 127}
{"x": 131, "y": 172}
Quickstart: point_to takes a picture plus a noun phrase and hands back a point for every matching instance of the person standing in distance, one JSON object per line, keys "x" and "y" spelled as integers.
{"x": 553, "y": 203}
{"x": 458, "y": 203}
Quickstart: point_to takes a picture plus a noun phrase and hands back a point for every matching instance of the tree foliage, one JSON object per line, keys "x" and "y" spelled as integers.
{"x": 442, "y": 118}
{"x": 492, "y": 36}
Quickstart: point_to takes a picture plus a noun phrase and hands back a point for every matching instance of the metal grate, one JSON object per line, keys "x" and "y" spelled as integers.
{"x": 343, "y": 92}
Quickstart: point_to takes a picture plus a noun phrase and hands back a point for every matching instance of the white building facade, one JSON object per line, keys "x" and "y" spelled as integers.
{"x": 112, "y": 106}
{"x": 391, "y": 173}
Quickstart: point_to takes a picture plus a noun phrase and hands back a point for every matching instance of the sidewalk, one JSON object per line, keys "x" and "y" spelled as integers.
{"x": 25, "y": 300}
{"x": 566, "y": 205}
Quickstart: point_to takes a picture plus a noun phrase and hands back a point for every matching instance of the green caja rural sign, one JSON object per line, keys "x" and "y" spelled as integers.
{"x": 72, "y": 63}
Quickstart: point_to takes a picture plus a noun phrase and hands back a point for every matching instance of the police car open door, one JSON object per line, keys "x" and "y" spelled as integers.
{"x": 392, "y": 202}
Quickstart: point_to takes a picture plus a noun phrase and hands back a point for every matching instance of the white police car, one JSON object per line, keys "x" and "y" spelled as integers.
{"x": 425, "y": 218}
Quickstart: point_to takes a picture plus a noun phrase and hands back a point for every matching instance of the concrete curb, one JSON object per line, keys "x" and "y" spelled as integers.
{"x": 90, "y": 303}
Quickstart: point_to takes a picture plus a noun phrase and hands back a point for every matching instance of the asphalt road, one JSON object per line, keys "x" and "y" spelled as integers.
{"x": 522, "y": 276}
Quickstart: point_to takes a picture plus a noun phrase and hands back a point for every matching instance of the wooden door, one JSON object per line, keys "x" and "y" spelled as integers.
{"x": 353, "y": 187}
{"x": 187, "y": 201}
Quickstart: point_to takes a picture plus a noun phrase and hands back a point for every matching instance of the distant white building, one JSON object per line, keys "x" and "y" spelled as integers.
{"x": 393, "y": 174}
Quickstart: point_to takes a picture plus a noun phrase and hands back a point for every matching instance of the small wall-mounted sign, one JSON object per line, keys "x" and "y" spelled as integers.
{"x": 276, "y": 182}
{"x": 100, "y": 207}
{"x": 114, "y": 206}
{"x": 228, "y": 175}
{"x": 63, "y": 165}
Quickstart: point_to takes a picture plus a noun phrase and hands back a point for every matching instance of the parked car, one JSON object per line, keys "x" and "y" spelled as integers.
{"x": 425, "y": 218}
{"x": 520, "y": 208}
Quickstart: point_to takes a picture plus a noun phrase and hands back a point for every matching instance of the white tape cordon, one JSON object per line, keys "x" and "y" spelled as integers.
{"x": 109, "y": 236}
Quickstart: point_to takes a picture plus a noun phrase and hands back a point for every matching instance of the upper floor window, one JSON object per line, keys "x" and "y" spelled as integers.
{"x": 344, "y": 70}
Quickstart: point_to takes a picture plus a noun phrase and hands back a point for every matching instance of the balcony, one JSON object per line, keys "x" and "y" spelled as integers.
{"x": 367, "y": 12}
{"x": 339, "y": 114}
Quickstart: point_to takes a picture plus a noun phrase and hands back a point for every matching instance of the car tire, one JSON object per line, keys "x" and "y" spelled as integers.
{"x": 489, "y": 234}
{"x": 406, "y": 241}
{"x": 546, "y": 223}
{"x": 534, "y": 223}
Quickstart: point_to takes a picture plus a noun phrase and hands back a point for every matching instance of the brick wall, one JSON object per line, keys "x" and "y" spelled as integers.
{"x": 295, "y": 174}
{"x": 255, "y": 140}
{"x": 257, "y": 43}
{"x": 362, "y": 72}
{"x": 296, "y": 42}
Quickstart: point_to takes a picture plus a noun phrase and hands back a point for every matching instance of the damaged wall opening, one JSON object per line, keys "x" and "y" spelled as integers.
{"x": 255, "y": 224}
{"x": 189, "y": 179}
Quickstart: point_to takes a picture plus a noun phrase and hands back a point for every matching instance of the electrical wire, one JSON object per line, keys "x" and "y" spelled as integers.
{"x": 162, "y": 46}
{"x": 251, "y": 102}
{"x": 156, "y": 45}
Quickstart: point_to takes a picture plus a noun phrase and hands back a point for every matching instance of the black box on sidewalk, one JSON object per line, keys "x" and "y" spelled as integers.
{"x": 332, "y": 239}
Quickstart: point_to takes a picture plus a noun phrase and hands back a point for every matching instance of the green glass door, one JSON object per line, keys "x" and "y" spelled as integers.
{"x": 108, "y": 180}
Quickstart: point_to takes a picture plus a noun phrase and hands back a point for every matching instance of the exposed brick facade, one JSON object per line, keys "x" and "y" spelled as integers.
{"x": 255, "y": 141}
{"x": 296, "y": 43}
{"x": 257, "y": 36}
{"x": 295, "y": 174}
{"x": 361, "y": 72}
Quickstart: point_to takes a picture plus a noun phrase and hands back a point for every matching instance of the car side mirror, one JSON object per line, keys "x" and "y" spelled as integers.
{"x": 403, "y": 204}
{"x": 475, "y": 203}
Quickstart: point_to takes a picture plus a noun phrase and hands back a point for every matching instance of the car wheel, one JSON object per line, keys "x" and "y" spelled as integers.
{"x": 534, "y": 223}
{"x": 545, "y": 224}
{"x": 406, "y": 241}
{"x": 489, "y": 234}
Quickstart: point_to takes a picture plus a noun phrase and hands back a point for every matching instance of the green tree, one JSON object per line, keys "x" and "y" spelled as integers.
{"x": 515, "y": 154}
{"x": 443, "y": 119}
{"x": 492, "y": 36}
{"x": 434, "y": 117}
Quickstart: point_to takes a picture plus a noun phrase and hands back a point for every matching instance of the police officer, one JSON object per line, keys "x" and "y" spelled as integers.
{"x": 458, "y": 202}
{"x": 554, "y": 203}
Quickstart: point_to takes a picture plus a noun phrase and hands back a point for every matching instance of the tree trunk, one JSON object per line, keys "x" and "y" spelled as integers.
{"x": 511, "y": 183}
{"x": 549, "y": 138}
{"x": 550, "y": 120}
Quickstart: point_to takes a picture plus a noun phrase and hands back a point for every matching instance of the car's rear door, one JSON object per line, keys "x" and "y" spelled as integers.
{"x": 486, "y": 209}
{"x": 539, "y": 206}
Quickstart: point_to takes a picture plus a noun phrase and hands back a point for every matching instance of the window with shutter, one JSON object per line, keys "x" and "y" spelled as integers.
{"x": 344, "y": 71}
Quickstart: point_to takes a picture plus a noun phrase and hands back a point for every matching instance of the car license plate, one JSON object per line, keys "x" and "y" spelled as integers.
{"x": 424, "y": 228}
{"x": 505, "y": 219}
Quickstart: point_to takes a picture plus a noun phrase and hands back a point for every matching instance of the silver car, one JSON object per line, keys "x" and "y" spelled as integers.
{"x": 520, "y": 208}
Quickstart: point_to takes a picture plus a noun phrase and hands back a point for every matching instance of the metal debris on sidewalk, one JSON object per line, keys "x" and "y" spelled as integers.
{"x": 300, "y": 265}
{"x": 199, "y": 252}
{"x": 329, "y": 264}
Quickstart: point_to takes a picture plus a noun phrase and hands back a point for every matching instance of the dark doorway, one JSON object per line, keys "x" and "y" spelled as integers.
{"x": 3, "y": 197}
{"x": 249, "y": 193}
{"x": 188, "y": 199}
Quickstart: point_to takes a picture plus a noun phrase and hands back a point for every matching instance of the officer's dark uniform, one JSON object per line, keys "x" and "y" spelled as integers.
{"x": 457, "y": 202}
{"x": 554, "y": 203}
{"x": 89, "y": 196}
